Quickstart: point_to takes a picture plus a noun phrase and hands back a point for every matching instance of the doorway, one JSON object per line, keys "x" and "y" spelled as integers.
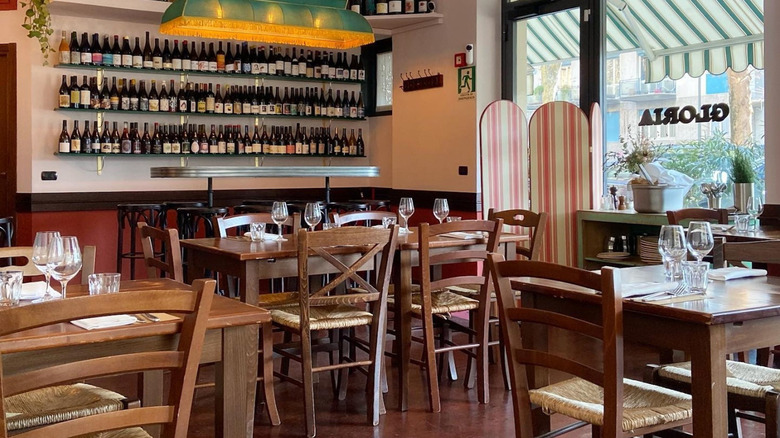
{"x": 7, "y": 130}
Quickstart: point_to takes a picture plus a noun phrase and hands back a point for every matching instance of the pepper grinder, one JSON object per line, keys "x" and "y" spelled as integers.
{"x": 613, "y": 192}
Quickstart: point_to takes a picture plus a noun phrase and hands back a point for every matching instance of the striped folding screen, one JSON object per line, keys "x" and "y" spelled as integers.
{"x": 560, "y": 175}
{"x": 503, "y": 139}
{"x": 596, "y": 153}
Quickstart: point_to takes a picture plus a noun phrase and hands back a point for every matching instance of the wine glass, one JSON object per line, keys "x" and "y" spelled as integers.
{"x": 441, "y": 209}
{"x": 671, "y": 245}
{"x": 279, "y": 215}
{"x": 754, "y": 208}
{"x": 64, "y": 260}
{"x": 40, "y": 257}
{"x": 312, "y": 215}
{"x": 406, "y": 210}
{"x": 700, "y": 241}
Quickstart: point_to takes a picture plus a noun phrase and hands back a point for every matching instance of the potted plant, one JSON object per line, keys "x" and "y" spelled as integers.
{"x": 743, "y": 176}
{"x": 37, "y": 22}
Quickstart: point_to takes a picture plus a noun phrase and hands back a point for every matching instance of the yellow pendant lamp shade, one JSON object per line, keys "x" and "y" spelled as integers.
{"x": 312, "y": 23}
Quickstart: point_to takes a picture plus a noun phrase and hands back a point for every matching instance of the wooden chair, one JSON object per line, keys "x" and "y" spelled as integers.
{"x": 600, "y": 396}
{"x": 318, "y": 310}
{"x": 38, "y": 381}
{"x": 29, "y": 270}
{"x": 682, "y": 217}
{"x": 535, "y": 222}
{"x": 750, "y": 387}
{"x": 169, "y": 242}
{"x": 240, "y": 223}
{"x": 365, "y": 218}
{"x": 437, "y": 299}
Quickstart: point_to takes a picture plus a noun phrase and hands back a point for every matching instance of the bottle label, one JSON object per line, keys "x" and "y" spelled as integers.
{"x": 65, "y": 57}
{"x": 317, "y": 71}
{"x": 172, "y": 104}
{"x": 210, "y": 104}
{"x": 108, "y": 59}
{"x": 182, "y": 106}
{"x": 204, "y": 147}
{"x": 236, "y": 107}
{"x": 168, "y": 65}
{"x": 177, "y": 64}
{"x": 86, "y": 58}
{"x": 154, "y": 105}
{"x": 230, "y": 68}
{"x": 96, "y": 147}
{"x": 212, "y": 66}
{"x": 118, "y": 59}
{"x": 361, "y": 112}
{"x": 133, "y": 104}
{"x": 332, "y": 72}
{"x": 195, "y": 147}
{"x": 394, "y": 6}
{"x": 175, "y": 148}
{"x": 165, "y": 105}
{"x": 353, "y": 74}
{"x": 127, "y": 147}
{"x": 97, "y": 58}
{"x": 302, "y": 69}
{"x": 381, "y": 8}
{"x": 361, "y": 75}
{"x": 203, "y": 65}
{"x": 221, "y": 147}
{"x": 127, "y": 60}
{"x": 144, "y": 104}
{"x": 270, "y": 68}
{"x": 201, "y": 106}
{"x": 75, "y": 145}
{"x": 138, "y": 61}
{"x": 221, "y": 63}
{"x": 230, "y": 147}
{"x": 246, "y": 108}
{"x": 355, "y": 8}
{"x": 255, "y": 109}
{"x": 64, "y": 100}
{"x": 409, "y": 6}
{"x": 116, "y": 148}
{"x": 219, "y": 108}
{"x": 422, "y": 6}
{"x": 186, "y": 64}
{"x": 246, "y": 68}
{"x": 353, "y": 113}
{"x": 298, "y": 147}
{"x": 64, "y": 147}
{"x": 166, "y": 148}
{"x": 137, "y": 146}
{"x": 228, "y": 108}
{"x": 294, "y": 70}
{"x": 148, "y": 64}
{"x": 125, "y": 103}
{"x": 84, "y": 98}
{"x": 157, "y": 63}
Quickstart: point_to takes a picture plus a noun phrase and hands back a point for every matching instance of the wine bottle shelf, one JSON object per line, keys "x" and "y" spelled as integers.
{"x": 263, "y": 156}
{"x": 106, "y": 68}
{"x": 177, "y": 114}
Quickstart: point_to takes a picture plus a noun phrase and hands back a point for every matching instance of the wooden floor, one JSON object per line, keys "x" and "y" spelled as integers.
{"x": 462, "y": 416}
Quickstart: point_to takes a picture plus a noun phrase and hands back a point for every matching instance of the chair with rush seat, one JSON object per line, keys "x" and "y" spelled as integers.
{"x": 595, "y": 394}
{"x": 128, "y": 216}
{"x": 36, "y": 404}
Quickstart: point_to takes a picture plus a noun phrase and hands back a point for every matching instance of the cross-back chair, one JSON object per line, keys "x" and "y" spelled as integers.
{"x": 348, "y": 250}
{"x": 239, "y": 224}
{"x": 21, "y": 388}
{"x": 682, "y": 217}
{"x": 598, "y": 395}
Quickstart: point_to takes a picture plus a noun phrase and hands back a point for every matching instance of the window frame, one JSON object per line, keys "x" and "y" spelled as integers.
{"x": 369, "y": 53}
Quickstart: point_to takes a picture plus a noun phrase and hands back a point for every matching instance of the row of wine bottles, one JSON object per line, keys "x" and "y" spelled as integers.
{"x": 185, "y": 139}
{"x": 384, "y": 7}
{"x": 246, "y": 60}
{"x": 123, "y": 95}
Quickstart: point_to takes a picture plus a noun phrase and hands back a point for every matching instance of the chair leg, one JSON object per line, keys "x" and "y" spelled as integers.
{"x": 308, "y": 383}
{"x": 430, "y": 360}
{"x": 735, "y": 429}
{"x": 772, "y": 417}
{"x": 483, "y": 386}
{"x": 268, "y": 374}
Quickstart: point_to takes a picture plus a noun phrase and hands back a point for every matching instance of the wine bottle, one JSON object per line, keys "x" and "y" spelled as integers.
{"x": 294, "y": 102}
{"x": 352, "y": 142}
{"x": 246, "y": 62}
{"x": 134, "y": 98}
{"x": 315, "y": 103}
{"x": 355, "y": 6}
{"x": 75, "y": 49}
{"x": 75, "y": 138}
{"x": 146, "y": 140}
{"x": 309, "y": 65}
{"x": 105, "y": 140}
{"x": 186, "y": 62}
{"x": 279, "y": 59}
{"x": 262, "y": 63}
{"x": 165, "y": 103}
{"x": 148, "y": 57}
{"x": 113, "y": 96}
{"x": 220, "y": 59}
{"x": 64, "y": 99}
{"x": 361, "y": 146}
{"x": 153, "y": 99}
{"x": 126, "y": 146}
{"x": 212, "y": 58}
{"x": 157, "y": 146}
{"x": 230, "y": 143}
{"x": 331, "y": 105}
{"x": 353, "y": 69}
{"x": 286, "y": 103}
{"x": 138, "y": 57}
{"x": 257, "y": 144}
{"x": 201, "y": 99}
{"x": 127, "y": 53}
{"x": 353, "y": 111}
{"x": 212, "y": 141}
{"x": 94, "y": 94}
{"x": 238, "y": 139}
{"x": 221, "y": 143}
{"x": 64, "y": 141}
{"x": 143, "y": 97}
{"x": 331, "y": 67}
{"x": 175, "y": 140}
{"x": 210, "y": 100}
{"x": 118, "y": 53}
{"x": 86, "y": 139}
{"x": 229, "y": 62}
{"x": 166, "y": 141}
{"x": 97, "y": 51}
{"x": 108, "y": 54}
{"x": 227, "y": 106}
{"x": 219, "y": 104}
{"x": 237, "y": 99}
{"x": 105, "y": 95}
{"x": 361, "y": 111}
{"x": 287, "y": 62}
{"x": 294, "y": 64}
{"x": 194, "y": 58}
{"x": 203, "y": 62}
{"x": 312, "y": 142}
{"x": 167, "y": 58}
{"x": 336, "y": 141}
{"x": 302, "y": 66}
{"x": 157, "y": 58}
{"x": 247, "y": 140}
{"x": 124, "y": 96}
{"x": 96, "y": 142}
{"x": 84, "y": 94}
{"x": 339, "y": 68}
{"x": 345, "y": 105}
{"x": 254, "y": 101}
{"x": 176, "y": 56}
{"x": 184, "y": 141}
{"x": 298, "y": 140}
{"x": 265, "y": 142}
{"x": 361, "y": 69}
{"x": 272, "y": 61}
{"x": 192, "y": 98}
{"x": 64, "y": 50}
{"x": 238, "y": 60}
{"x": 382, "y": 7}
{"x": 86, "y": 52}
{"x": 182, "y": 99}
{"x": 317, "y": 61}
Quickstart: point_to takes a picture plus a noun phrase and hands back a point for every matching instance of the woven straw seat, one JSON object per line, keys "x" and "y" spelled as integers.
{"x": 644, "y": 405}
{"x": 442, "y": 302}
{"x": 59, "y": 403}
{"x": 741, "y": 378}
{"x": 278, "y": 299}
{"x": 323, "y": 317}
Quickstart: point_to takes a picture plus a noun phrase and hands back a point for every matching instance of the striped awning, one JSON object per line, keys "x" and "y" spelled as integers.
{"x": 675, "y": 36}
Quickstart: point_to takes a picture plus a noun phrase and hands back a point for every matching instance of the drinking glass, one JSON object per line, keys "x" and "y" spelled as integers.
{"x": 40, "y": 258}
{"x": 279, "y": 215}
{"x": 406, "y": 210}
{"x": 312, "y": 215}
{"x": 64, "y": 260}
{"x": 700, "y": 241}
{"x": 671, "y": 245}
{"x": 441, "y": 209}
{"x": 755, "y": 207}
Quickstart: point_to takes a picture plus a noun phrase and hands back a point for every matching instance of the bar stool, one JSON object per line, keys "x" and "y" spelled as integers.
{"x": 265, "y": 202}
{"x": 343, "y": 207}
{"x": 189, "y": 219}
{"x": 174, "y": 206}
{"x": 7, "y": 231}
{"x": 374, "y": 204}
{"x": 128, "y": 216}
{"x": 250, "y": 208}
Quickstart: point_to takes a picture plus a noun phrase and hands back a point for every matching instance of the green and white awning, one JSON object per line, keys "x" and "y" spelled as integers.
{"x": 676, "y": 36}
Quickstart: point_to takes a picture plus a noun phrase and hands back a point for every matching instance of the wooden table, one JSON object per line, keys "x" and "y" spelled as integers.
{"x": 764, "y": 233}
{"x": 737, "y": 315}
{"x": 231, "y": 342}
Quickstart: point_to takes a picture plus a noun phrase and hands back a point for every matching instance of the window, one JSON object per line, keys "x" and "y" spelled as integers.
{"x": 384, "y": 81}
{"x": 378, "y": 61}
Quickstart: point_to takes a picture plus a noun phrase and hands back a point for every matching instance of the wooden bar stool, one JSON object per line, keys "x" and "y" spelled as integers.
{"x": 128, "y": 216}
{"x": 374, "y": 204}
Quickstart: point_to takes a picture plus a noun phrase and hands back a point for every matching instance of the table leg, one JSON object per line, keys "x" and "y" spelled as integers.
{"x": 194, "y": 270}
{"x": 403, "y": 325}
{"x": 708, "y": 385}
{"x": 250, "y": 282}
{"x": 236, "y": 382}
{"x": 152, "y": 395}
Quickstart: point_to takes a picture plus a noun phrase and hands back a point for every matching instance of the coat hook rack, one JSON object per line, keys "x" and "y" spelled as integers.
{"x": 424, "y": 80}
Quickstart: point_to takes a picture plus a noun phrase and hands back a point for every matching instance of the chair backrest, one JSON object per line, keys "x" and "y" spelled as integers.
{"x": 29, "y": 270}
{"x": 362, "y": 245}
{"x": 456, "y": 255}
{"x": 169, "y": 245}
{"x": 7, "y": 231}
{"x": 535, "y": 222}
{"x": 366, "y": 218}
{"x": 609, "y": 332}
{"x": 682, "y": 217}
{"x": 240, "y": 222}
{"x": 771, "y": 215}
{"x": 182, "y": 359}
{"x": 764, "y": 251}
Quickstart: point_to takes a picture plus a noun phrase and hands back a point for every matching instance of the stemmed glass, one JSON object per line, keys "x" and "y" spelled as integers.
{"x": 312, "y": 215}
{"x": 279, "y": 215}
{"x": 40, "y": 258}
{"x": 700, "y": 240}
{"x": 441, "y": 209}
{"x": 671, "y": 245}
{"x": 754, "y": 208}
{"x": 64, "y": 260}
{"x": 406, "y": 210}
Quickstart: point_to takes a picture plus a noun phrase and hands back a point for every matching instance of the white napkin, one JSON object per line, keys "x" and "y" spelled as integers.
{"x": 724, "y": 274}
{"x": 267, "y": 237}
{"x": 660, "y": 175}
{"x": 647, "y": 288}
{"x": 35, "y": 290}
{"x": 102, "y": 322}
{"x": 463, "y": 235}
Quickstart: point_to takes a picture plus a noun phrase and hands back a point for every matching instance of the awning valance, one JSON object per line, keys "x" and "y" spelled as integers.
{"x": 675, "y": 36}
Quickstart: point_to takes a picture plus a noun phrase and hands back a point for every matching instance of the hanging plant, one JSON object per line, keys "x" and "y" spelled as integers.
{"x": 37, "y": 22}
